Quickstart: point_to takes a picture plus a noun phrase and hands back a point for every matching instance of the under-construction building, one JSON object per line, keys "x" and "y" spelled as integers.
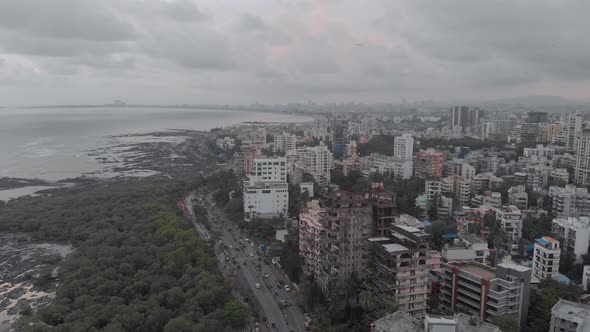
{"x": 397, "y": 271}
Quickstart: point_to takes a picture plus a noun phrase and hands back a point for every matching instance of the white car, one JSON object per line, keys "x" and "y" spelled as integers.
{"x": 252, "y": 244}
{"x": 258, "y": 286}
{"x": 265, "y": 275}
{"x": 251, "y": 254}
{"x": 287, "y": 288}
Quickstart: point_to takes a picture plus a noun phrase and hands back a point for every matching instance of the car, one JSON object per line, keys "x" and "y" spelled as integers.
{"x": 246, "y": 239}
{"x": 265, "y": 275}
{"x": 258, "y": 285}
{"x": 251, "y": 254}
{"x": 283, "y": 303}
{"x": 287, "y": 288}
{"x": 251, "y": 244}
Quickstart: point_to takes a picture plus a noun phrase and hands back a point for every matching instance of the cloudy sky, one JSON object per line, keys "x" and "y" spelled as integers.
{"x": 278, "y": 51}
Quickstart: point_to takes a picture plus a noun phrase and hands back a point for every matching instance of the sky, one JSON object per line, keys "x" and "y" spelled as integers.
{"x": 281, "y": 51}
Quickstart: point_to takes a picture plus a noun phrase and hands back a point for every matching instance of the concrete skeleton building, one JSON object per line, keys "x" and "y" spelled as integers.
{"x": 398, "y": 266}
{"x": 546, "y": 255}
{"x": 347, "y": 224}
{"x": 485, "y": 292}
{"x": 266, "y": 192}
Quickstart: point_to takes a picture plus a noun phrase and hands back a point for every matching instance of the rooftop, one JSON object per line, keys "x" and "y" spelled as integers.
{"x": 479, "y": 270}
{"x": 378, "y": 239}
{"x": 573, "y": 311}
{"x": 516, "y": 267}
{"x": 546, "y": 240}
{"x": 394, "y": 247}
{"x": 397, "y": 322}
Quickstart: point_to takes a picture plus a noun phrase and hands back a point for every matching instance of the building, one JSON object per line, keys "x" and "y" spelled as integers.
{"x": 383, "y": 209}
{"x": 560, "y": 175}
{"x": 429, "y": 164}
{"x": 488, "y": 198}
{"x": 403, "y": 147}
{"x": 582, "y": 168}
{"x": 347, "y": 224}
{"x": 487, "y": 128}
{"x": 510, "y": 219}
{"x": 310, "y": 236}
{"x": 568, "y": 316}
{"x": 246, "y": 156}
{"x": 284, "y": 142}
{"x": 540, "y": 152}
{"x": 537, "y": 117}
{"x": 570, "y": 201}
{"x": 397, "y": 270}
{"x": 457, "y": 186}
{"x": 553, "y": 131}
{"x": 546, "y": 258}
{"x": 464, "y": 118}
{"x": 518, "y": 197}
{"x": 307, "y": 187}
{"x": 226, "y": 143}
{"x": 402, "y": 322}
{"x": 468, "y": 248}
{"x": 266, "y": 192}
{"x": 573, "y": 233}
{"x": 396, "y": 167}
{"x": 572, "y": 127}
{"x": 586, "y": 278}
{"x": 317, "y": 161}
{"x": 485, "y": 292}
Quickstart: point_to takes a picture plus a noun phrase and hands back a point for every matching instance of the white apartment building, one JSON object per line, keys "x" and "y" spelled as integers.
{"x": 573, "y": 233}
{"x": 266, "y": 192}
{"x": 284, "y": 142}
{"x": 568, "y": 316}
{"x": 546, "y": 258}
{"x": 403, "y": 147}
{"x": 540, "y": 151}
{"x": 570, "y": 201}
{"x": 572, "y": 126}
{"x": 317, "y": 161}
{"x": 397, "y": 167}
{"x": 488, "y": 198}
{"x": 456, "y": 185}
{"x": 510, "y": 219}
{"x": 468, "y": 248}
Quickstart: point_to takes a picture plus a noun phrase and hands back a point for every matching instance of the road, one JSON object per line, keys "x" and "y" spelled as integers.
{"x": 269, "y": 295}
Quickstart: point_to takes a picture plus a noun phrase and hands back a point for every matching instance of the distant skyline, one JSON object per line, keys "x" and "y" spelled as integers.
{"x": 281, "y": 51}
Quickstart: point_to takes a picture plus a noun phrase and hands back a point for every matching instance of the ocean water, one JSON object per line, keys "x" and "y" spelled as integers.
{"x": 54, "y": 144}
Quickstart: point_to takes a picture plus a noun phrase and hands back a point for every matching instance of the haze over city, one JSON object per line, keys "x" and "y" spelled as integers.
{"x": 230, "y": 52}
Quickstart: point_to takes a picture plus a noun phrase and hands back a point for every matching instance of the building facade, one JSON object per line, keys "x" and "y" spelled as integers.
{"x": 403, "y": 147}
{"x": 265, "y": 191}
{"x": 546, "y": 255}
{"x": 568, "y": 316}
{"x": 485, "y": 292}
{"x": 573, "y": 234}
{"x": 429, "y": 164}
{"x": 510, "y": 219}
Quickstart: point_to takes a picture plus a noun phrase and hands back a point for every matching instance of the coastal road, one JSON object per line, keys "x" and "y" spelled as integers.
{"x": 270, "y": 293}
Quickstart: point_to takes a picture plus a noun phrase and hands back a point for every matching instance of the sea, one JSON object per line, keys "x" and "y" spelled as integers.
{"x": 55, "y": 143}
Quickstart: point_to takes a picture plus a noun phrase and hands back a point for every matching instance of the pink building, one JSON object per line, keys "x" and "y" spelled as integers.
{"x": 310, "y": 228}
{"x": 435, "y": 261}
{"x": 429, "y": 164}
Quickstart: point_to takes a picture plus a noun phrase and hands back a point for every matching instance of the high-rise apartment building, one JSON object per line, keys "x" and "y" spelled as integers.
{"x": 546, "y": 258}
{"x": 573, "y": 234}
{"x": 284, "y": 142}
{"x": 317, "y": 161}
{"x": 572, "y": 127}
{"x": 347, "y": 224}
{"x": 266, "y": 192}
{"x": 485, "y": 292}
{"x": 403, "y": 147}
{"x": 311, "y": 228}
{"x": 429, "y": 164}
{"x": 582, "y": 168}
{"x": 511, "y": 219}
{"x": 464, "y": 118}
{"x": 397, "y": 270}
